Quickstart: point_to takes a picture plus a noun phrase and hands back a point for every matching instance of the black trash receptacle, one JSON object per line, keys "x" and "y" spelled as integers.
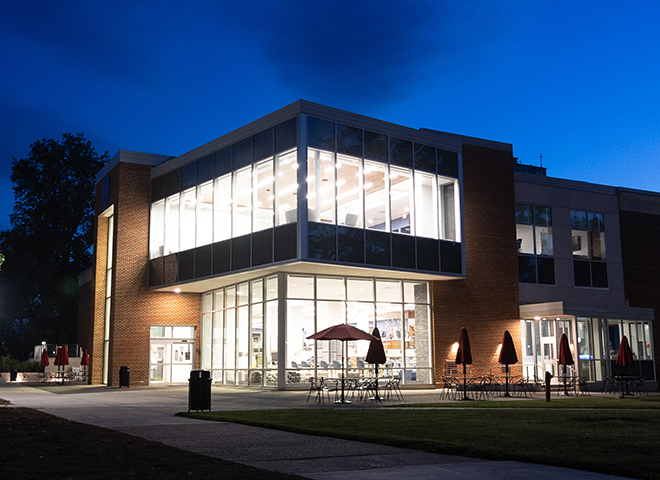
{"x": 13, "y": 375}
{"x": 199, "y": 390}
{"x": 124, "y": 377}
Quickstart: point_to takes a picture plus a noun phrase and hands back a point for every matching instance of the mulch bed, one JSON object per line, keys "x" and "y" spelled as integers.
{"x": 34, "y": 444}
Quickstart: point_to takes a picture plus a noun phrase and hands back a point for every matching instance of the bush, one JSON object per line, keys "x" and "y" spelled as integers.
{"x": 7, "y": 364}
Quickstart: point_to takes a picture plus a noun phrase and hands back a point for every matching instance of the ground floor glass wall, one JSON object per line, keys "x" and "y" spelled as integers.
{"x": 241, "y": 330}
{"x": 594, "y": 344}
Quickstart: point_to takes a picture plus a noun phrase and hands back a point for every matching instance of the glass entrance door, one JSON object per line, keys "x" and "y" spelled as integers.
{"x": 548, "y": 346}
{"x": 170, "y": 361}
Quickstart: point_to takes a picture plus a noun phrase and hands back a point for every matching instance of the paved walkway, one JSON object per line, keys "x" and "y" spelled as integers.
{"x": 149, "y": 412}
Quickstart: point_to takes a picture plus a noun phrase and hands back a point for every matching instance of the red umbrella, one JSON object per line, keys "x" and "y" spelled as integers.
{"x": 624, "y": 358}
{"x": 61, "y": 359}
{"x": 464, "y": 357}
{"x": 342, "y": 332}
{"x": 376, "y": 355}
{"x": 44, "y": 358}
{"x": 565, "y": 357}
{"x": 507, "y": 356}
{"x": 85, "y": 358}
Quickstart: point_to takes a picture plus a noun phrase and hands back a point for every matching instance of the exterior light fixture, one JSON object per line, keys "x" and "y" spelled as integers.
{"x": 177, "y": 290}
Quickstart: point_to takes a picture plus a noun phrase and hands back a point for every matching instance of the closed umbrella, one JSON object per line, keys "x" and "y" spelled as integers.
{"x": 464, "y": 357}
{"x": 84, "y": 361}
{"x": 376, "y": 355}
{"x": 343, "y": 332}
{"x": 44, "y": 358}
{"x": 61, "y": 360}
{"x": 624, "y": 358}
{"x": 565, "y": 357}
{"x": 507, "y": 356}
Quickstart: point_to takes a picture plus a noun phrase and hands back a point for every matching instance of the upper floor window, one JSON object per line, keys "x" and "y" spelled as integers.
{"x": 589, "y": 253}
{"x": 535, "y": 245}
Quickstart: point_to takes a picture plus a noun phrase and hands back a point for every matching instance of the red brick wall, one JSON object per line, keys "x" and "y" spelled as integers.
{"x": 486, "y": 301}
{"x": 640, "y": 236}
{"x": 134, "y": 308}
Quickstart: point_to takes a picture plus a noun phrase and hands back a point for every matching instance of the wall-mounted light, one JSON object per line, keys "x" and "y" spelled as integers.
{"x": 499, "y": 349}
{"x": 454, "y": 349}
{"x": 177, "y": 290}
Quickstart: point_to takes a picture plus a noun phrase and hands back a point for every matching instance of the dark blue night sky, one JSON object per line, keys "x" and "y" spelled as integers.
{"x": 574, "y": 81}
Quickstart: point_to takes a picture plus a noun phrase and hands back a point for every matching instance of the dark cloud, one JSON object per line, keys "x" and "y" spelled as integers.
{"x": 368, "y": 50}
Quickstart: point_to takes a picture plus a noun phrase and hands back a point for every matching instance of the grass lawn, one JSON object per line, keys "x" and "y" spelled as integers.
{"x": 608, "y": 435}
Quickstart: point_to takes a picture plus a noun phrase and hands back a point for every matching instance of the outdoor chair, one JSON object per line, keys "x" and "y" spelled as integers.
{"x": 581, "y": 386}
{"x": 448, "y": 388}
{"x": 392, "y": 388}
{"x": 640, "y": 385}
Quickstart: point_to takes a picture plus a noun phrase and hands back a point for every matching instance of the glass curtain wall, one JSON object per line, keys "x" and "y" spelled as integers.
{"x": 350, "y": 191}
{"x": 240, "y": 330}
{"x": 248, "y": 200}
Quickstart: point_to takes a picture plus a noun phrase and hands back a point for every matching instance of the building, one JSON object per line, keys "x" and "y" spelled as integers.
{"x": 229, "y": 256}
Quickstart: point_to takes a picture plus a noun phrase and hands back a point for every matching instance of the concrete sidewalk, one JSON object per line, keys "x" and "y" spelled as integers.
{"x": 149, "y": 412}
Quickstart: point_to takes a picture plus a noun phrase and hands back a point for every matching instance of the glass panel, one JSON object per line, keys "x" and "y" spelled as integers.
{"x": 172, "y": 224}
{"x": 320, "y": 186}
{"x": 287, "y": 188}
{"x": 595, "y": 222}
{"x": 242, "y": 293}
{"x": 320, "y": 134}
{"x": 401, "y": 152}
{"x": 349, "y": 191}
{"x": 544, "y": 241}
{"x": 218, "y": 298}
{"x": 157, "y": 230}
{"x": 524, "y": 214}
{"x": 360, "y": 315}
{"x": 262, "y": 145}
{"x": 349, "y": 140}
{"x": 207, "y": 341}
{"x": 415, "y": 292}
{"x": 599, "y": 274}
{"x": 218, "y": 339}
{"x": 160, "y": 332}
{"x": 580, "y": 243}
{"x": 525, "y": 238}
{"x": 271, "y": 288}
{"x": 300, "y": 287}
{"x": 330, "y": 288}
{"x": 526, "y": 269}
{"x": 242, "y": 336}
{"x": 449, "y": 205}
{"x": 389, "y": 320}
{"x": 375, "y": 146}
{"x": 264, "y": 197}
{"x": 322, "y": 241}
{"x": 546, "y": 270}
{"x": 597, "y": 245}
{"x": 633, "y": 340}
{"x": 285, "y": 135}
{"x": 230, "y": 339}
{"x": 256, "y": 340}
{"x": 426, "y": 205}
{"x": 231, "y": 297}
{"x": 299, "y": 325}
{"x": 207, "y": 302}
{"x": 578, "y": 220}
{"x": 424, "y": 158}
{"x": 242, "y": 202}
{"x": 350, "y": 244}
{"x": 222, "y": 161}
{"x": 376, "y": 202}
{"x": 582, "y": 274}
{"x": 183, "y": 332}
{"x": 222, "y": 208}
{"x": 614, "y": 334}
{"x": 256, "y": 291}
{"x": 271, "y": 344}
{"x": 542, "y": 216}
{"x": 402, "y": 192}
{"x": 647, "y": 340}
{"x": 388, "y": 291}
{"x": 205, "y": 214}
{"x": 447, "y": 163}
{"x": 187, "y": 221}
{"x": 360, "y": 289}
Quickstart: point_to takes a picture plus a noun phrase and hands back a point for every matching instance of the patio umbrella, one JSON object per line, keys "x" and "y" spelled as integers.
{"x": 507, "y": 356}
{"x": 84, "y": 361}
{"x": 464, "y": 357}
{"x": 565, "y": 357}
{"x": 61, "y": 359}
{"x": 624, "y": 358}
{"x": 343, "y": 332}
{"x": 376, "y": 355}
{"x": 44, "y": 358}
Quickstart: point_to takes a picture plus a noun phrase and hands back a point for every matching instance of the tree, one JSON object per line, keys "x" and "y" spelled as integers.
{"x": 49, "y": 243}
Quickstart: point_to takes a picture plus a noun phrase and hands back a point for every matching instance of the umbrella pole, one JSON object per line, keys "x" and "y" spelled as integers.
{"x": 465, "y": 397}
{"x": 376, "y": 397}
{"x": 565, "y": 373}
{"x": 507, "y": 380}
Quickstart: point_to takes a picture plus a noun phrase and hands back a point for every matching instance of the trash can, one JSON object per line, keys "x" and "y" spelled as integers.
{"x": 13, "y": 375}
{"x": 199, "y": 390}
{"x": 124, "y": 377}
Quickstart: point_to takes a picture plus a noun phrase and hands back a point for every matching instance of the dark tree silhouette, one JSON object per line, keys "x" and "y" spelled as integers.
{"x": 49, "y": 243}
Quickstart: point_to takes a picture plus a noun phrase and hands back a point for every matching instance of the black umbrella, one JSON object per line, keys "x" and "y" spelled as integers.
{"x": 507, "y": 356}
{"x": 464, "y": 357}
{"x": 376, "y": 355}
{"x": 565, "y": 357}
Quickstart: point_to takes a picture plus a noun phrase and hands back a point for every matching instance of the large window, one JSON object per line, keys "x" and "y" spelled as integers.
{"x": 535, "y": 246}
{"x": 381, "y": 196}
{"x": 589, "y": 253}
{"x": 229, "y": 206}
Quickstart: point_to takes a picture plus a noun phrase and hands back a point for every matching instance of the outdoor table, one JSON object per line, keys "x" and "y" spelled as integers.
{"x": 624, "y": 380}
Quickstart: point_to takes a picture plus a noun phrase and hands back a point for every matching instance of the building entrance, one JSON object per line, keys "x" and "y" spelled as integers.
{"x": 171, "y": 359}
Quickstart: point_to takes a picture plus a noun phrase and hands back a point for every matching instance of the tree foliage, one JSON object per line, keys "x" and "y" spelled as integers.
{"x": 50, "y": 241}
